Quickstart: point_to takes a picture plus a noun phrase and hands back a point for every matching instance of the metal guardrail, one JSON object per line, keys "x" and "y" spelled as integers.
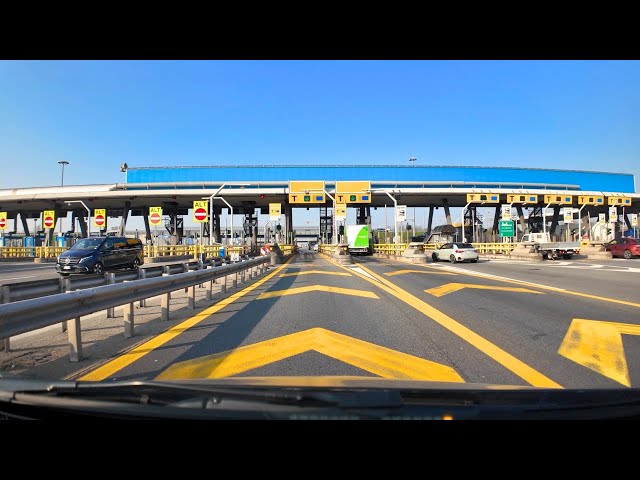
{"x": 17, "y": 291}
{"x": 149, "y": 251}
{"x": 494, "y": 248}
{"x": 28, "y": 315}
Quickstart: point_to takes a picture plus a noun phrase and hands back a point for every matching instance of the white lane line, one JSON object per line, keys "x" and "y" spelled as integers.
{"x": 20, "y": 278}
{"x": 498, "y": 277}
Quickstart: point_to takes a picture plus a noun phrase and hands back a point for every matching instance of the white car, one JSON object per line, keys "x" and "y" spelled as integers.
{"x": 456, "y": 252}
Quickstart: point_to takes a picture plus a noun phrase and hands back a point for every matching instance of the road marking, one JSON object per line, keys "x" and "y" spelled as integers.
{"x": 108, "y": 369}
{"x": 448, "y": 288}
{"x": 320, "y": 272}
{"x": 513, "y": 364}
{"x": 539, "y": 285}
{"x": 316, "y": 288}
{"x": 376, "y": 359}
{"x": 597, "y": 345}
{"x": 360, "y": 271}
{"x": 402, "y": 272}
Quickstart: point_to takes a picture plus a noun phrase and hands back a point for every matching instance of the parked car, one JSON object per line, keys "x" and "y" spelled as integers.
{"x": 97, "y": 254}
{"x": 456, "y": 252}
{"x": 626, "y": 247}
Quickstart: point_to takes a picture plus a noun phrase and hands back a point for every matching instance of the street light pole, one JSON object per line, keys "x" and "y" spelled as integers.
{"x": 413, "y": 160}
{"x": 88, "y": 214}
{"x": 63, "y": 163}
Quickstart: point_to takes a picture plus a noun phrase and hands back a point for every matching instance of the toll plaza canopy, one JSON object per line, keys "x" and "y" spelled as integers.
{"x": 249, "y": 187}
{"x": 389, "y": 176}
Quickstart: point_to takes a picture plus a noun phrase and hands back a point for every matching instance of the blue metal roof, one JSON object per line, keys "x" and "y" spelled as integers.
{"x": 385, "y": 174}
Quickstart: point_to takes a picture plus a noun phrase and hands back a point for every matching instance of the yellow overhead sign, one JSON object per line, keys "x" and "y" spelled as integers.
{"x": 341, "y": 211}
{"x": 558, "y": 199}
{"x": 3, "y": 220}
{"x": 310, "y": 186}
{"x": 590, "y": 200}
{"x": 315, "y": 197}
{"x": 200, "y": 211}
{"x": 483, "y": 198}
{"x": 353, "y": 198}
{"x": 521, "y": 198}
{"x": 155, "y": 215}
{"x": 353, "y": 192}
{"x": 309, "y": 191}
{"x": 353, "y": 187}
{"x": 619, "y": 201}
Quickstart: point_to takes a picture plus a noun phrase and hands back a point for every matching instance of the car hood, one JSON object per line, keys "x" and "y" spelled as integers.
{"x": 78, "y": 253}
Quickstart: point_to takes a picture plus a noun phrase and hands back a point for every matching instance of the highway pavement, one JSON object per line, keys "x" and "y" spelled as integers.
{"x": 494, "y": 322}
{"x": 13, "y": 272}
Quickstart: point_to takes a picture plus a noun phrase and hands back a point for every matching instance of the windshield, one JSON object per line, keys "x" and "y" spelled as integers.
{"x": 87, "y": 244}
{"x": 301, "y": 225}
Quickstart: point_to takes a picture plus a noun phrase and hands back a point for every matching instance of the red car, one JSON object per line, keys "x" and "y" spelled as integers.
{"x": 624, "y": 247}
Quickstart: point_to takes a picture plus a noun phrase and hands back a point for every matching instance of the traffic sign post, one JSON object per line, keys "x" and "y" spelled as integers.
{"x": 506, "y": 228}
{"x": 505, "y": 211}
{"x": 275, "y": 211}
{"x": 49, "y": 218}
{"x": 100, "y": 217}
{"x": 401, "y": 213}
{"x": 200, "y": 211}
{"x": 341, "y": 211}
{"x": 155, "y": 215}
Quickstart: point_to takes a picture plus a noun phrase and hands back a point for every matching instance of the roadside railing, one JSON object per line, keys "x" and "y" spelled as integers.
{"x": 35, "y": 252}
{"x": 494, "y": 248}
{"x": 389, "y": 248}
{"x": 67, "y": 308}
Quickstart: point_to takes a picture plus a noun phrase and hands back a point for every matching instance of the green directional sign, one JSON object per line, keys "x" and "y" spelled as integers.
{"x": 507, "y": 228}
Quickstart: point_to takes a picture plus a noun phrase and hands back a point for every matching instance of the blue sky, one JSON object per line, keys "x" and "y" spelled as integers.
{"x": 98, "y": 114}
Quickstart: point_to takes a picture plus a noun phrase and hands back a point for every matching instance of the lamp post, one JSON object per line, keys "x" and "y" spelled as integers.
{"x": 214, "y": 196}
{"x": 413, "y": 160}
{"x": 88, "y": 214}
{"x": 62, "y": 163}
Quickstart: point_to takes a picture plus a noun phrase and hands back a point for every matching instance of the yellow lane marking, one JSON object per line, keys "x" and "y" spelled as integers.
{"x": 320, "y": 272}
{"x": 317, "y": 288}
{"x": 597, "y": 345}
{"x": 454, "y": 287}
{"x": 381, "y": 361}
{"x": 518, "y": 367}
{"x": 118, "y": 363}
{"x": 543, "y": 287}
{"x": 401, "y": 272}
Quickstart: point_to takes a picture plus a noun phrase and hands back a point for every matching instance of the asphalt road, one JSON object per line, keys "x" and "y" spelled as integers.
{"x": 25, "y": 271}
{"x": 540, "y": 325}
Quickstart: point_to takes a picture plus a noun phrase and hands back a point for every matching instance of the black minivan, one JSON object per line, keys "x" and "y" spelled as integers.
{"x": 97, "y": 254}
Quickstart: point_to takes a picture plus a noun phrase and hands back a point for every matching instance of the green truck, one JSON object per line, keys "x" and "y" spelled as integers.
{"x": 359, "y": 239}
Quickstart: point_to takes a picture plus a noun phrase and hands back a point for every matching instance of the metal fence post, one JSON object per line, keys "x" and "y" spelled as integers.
{"x": 142, "y": 274}
{"x": 128, "y": 320}
{"x": 111, "y": 279}
{"x": 65, "y": 285}
{"x": 185, "y": 269}
{"x": 164, "y": 300}
{"x": 234, "y": 283}
{"x": 75, "y": 340}
{"x": 209, "y": 293}
{"x": 5, "y": 344}
{"x": 192, "y": 297}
